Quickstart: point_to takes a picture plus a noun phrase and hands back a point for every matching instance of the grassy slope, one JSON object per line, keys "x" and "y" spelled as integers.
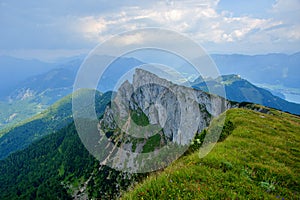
{"x": 57, "y": 116}
{"x": 259, "y": 160}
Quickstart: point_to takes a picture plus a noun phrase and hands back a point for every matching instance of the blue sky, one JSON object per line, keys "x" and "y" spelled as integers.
{"x": 50, "y": 29}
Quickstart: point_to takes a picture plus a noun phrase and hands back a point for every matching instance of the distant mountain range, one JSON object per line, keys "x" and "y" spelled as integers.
{"x": 270, "y": 68}
{"x": 34, "y": 95}
{"x": 35, "y": 85}
{"x": 241, "y": 90}
{"x": 38, "y": 92}
{"x": 281, "y": 68}
{"x": 14, "y": 70}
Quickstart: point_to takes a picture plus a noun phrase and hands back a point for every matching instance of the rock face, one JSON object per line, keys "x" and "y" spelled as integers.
{"x": 178, "y": 111}
{"x": 151, "y": 122}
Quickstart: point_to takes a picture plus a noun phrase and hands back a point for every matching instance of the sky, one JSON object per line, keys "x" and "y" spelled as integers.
{"x": 50, "y": 29}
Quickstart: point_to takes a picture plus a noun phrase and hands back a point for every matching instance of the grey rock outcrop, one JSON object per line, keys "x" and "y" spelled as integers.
{"x": 151, "y": 122}
{"x": 178, "y": 111}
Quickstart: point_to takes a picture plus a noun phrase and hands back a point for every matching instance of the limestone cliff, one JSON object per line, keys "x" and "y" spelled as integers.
{"x": 178, "y": 111}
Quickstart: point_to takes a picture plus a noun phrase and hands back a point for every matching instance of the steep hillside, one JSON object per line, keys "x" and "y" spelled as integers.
{"x": 241, "y": 90}
{"x": 258, "y": 160}
{"x": 54, "y": 118}
{"x": 58, "y": 166}
{"x": 34, "y": 95}
{"x": 45, "y": 88}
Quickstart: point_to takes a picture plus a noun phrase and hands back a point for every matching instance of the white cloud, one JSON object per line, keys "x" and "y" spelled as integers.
{"x": 88, "y": 23}
{"x": 130, "y": 39}
{"x": 198, "y": 19}
{"x": 91, "y": 27}
{"x": 288, "y": 13}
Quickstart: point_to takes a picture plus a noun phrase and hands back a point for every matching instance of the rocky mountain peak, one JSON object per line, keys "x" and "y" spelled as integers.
{"x": 151, "y": 121}
{"x": 179, "y": 111}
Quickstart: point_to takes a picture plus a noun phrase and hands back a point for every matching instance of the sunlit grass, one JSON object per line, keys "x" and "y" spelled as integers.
{"x": 259, "y": 160}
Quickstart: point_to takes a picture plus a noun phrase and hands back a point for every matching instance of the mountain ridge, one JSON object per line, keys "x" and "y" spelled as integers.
{"x": 240, "y": 90}
{"x": 280, "y": 68}
{"x": 36, "y": 93}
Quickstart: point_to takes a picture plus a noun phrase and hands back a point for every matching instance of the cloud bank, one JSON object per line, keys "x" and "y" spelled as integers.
{"x": 275, "y": 27}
